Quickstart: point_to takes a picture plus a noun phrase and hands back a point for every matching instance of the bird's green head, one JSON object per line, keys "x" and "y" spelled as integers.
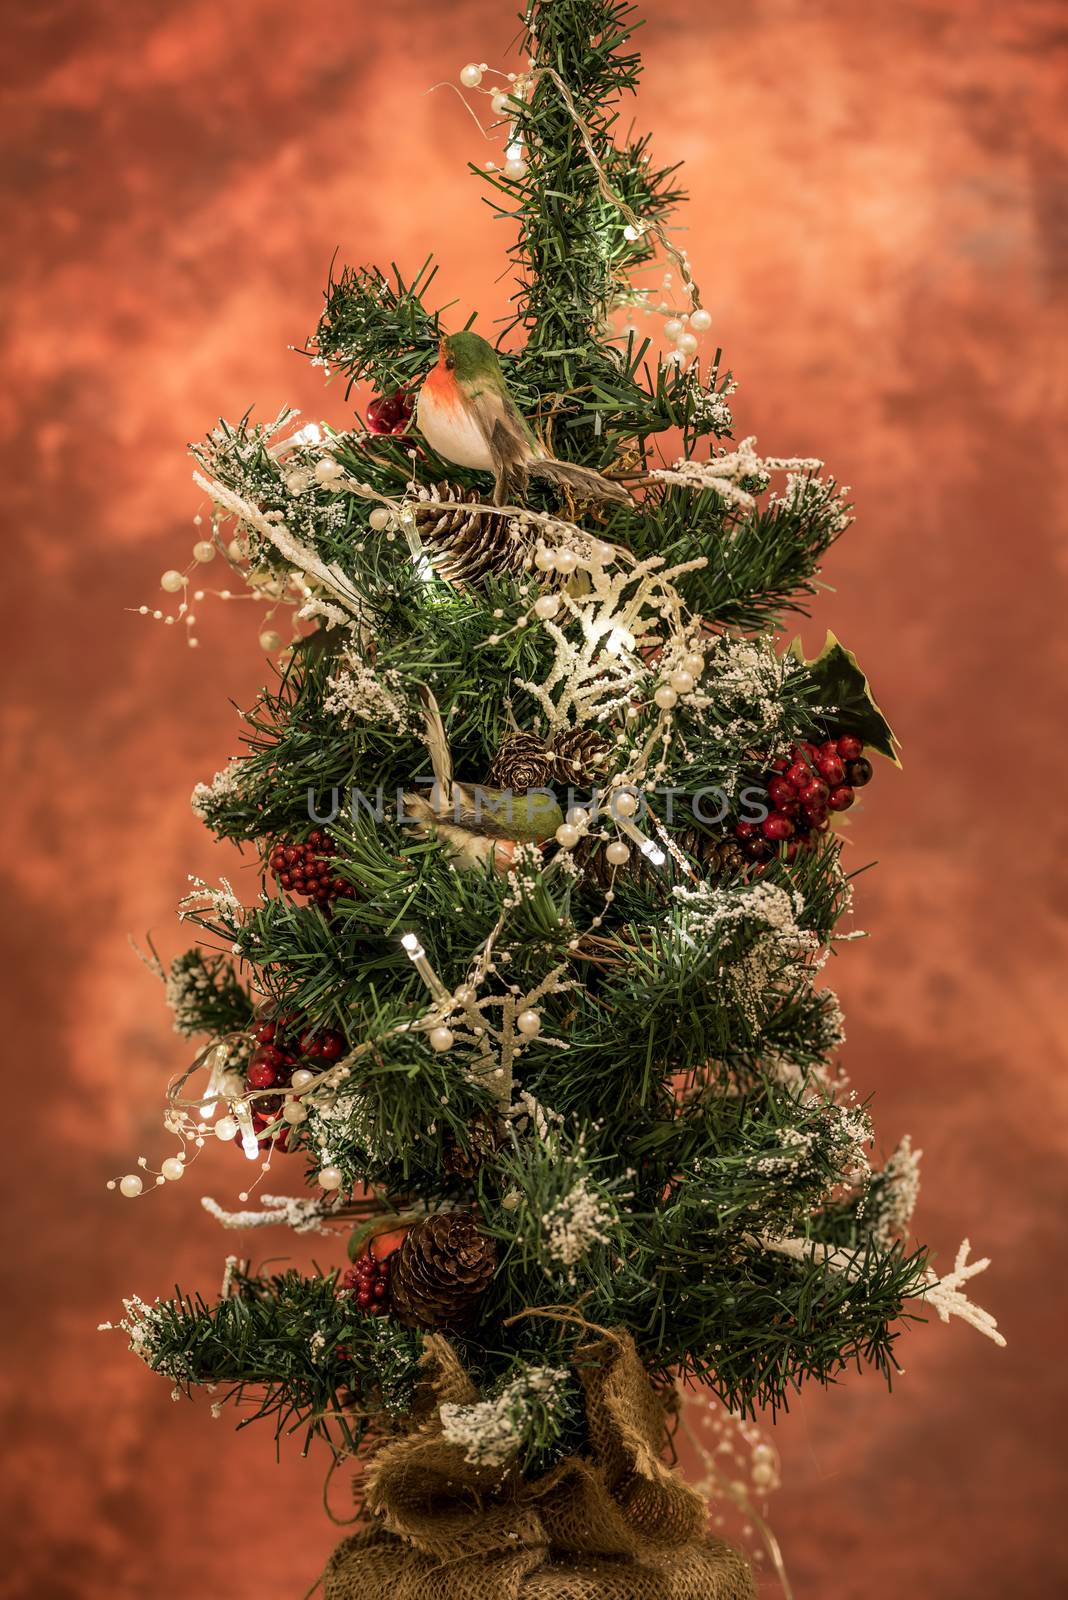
{"x": 470, "y": 358}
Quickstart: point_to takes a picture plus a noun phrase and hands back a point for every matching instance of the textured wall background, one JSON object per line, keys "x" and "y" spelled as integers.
{"x": 879, "y": 221}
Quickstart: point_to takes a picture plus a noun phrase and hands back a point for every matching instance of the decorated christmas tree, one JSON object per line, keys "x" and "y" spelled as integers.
{"x": 548, "y": 813}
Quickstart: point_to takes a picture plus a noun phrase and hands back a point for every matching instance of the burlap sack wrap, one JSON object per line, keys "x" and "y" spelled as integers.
{"x": 616, "y": 1524}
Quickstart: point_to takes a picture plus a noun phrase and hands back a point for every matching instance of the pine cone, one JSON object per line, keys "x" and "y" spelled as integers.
{"x": 467, "y": 540}
{"x": 522, "y": 762}
{"x": 442, "y": 1267}
{"x": 483, "y": 1139}
{"x": 578, "y": 757}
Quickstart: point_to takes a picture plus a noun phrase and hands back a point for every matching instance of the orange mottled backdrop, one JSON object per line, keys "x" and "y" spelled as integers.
{"x": 880, "y": 224}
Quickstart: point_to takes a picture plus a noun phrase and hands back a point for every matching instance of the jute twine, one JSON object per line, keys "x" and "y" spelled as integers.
{"x": 613, "y": 1524}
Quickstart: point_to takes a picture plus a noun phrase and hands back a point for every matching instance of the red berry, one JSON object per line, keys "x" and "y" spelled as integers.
{"x": 781, "y": 793}
{"x": 813, "y": 794}
{"x": 285, "y": 880}
{"x": 265, "y": 1032}
{"x": 858, "y": 772}
{"x": 331, "y": 1045}
{"x": 829, "y": 747}
{"x": 744, "y": 830}
{"x": 363, "y": 1298}
{"x": 780, "y": 764}
{"x": 850, "y": 747}
{"x": 799, "y": 774}
{"x": 818, "y": 818}
{"x": 261, "y": 1075}
{"x": 841, "y": 798}
{"x": 831, "y": 768}
{"x": 381, "y": 1289}
{"x": 316, "y": 837}
{"x": 777, "y": 827}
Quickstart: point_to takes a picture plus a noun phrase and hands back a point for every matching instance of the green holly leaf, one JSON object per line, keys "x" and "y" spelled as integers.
{"x": 840, "y": 683}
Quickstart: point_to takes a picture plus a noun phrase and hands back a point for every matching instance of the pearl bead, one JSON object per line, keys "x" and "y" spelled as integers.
{"x": 694, "y": 665}
{"x": 665, "y": 697}
{"x": 231, "y": 1086}
{"x": 701, "y": 319}
{"x": 172, "y": 581}
{"x": 328, "y": 469}
{"x": 515, "y": 169}
{"x": 235, "y": 550}
{"x": 302, "y": 1079}
{"x": 618, "y": 853}
{"x": 624, "y": 803}
{"x": 672, "y": 328}
{"x": 131, "y": 1185}
{"x": 442, "y": 1038}
{"x": 546, "y": 606}
{"x": 566, "y": 561}
{"x": 269, "y": 640}
{"x": 225, "y": 1129}
{"x": 578, "y": 816}
{"x": 329, "y": 1178}
{"x": 294, "y": 1113}
{"x": 471, "y": 75}
{"x": 204, "y": 550}
{"x": 465, "y": 995}
{"x": 763, "y": 1473}
{"x": 173, "y": 1169}
{"x": 687, "y": 343}
{"x": 682, "y": 681}
{"x": 528, "y": 1023}
{"x": 380, "y": 518}
{"x": 501, "y": 103}
{"x": 567, "y": 835}
{"x": 544, "y": 559}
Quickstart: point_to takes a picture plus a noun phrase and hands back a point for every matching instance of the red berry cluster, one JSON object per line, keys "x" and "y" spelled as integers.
{"x": 368, "y": 1280}
{"x": 306, "y": 869}
{"x": 391, "y": 413}
{"x": 279, "y": 1048}
{"x": 803, "y": 789}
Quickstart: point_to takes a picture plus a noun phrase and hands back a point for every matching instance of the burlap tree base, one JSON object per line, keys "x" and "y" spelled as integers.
{"x": 616, "y": 1524}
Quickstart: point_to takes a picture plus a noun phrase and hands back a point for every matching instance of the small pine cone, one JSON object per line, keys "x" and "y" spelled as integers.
{"x": 522, "y": 762}
{"x": 467, "y": 540}
{"x": 441, "y": 1269}
{"x": 578, "y": 757}
{"x": 483, "y": 1139}
{"x": 716, "y": 858}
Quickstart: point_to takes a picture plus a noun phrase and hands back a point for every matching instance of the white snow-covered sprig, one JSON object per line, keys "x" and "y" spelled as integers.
{"x": 894, "y": 1194}
{"x": 303, "y": 1215}
{"x": 576, "y": 1223}
{"x": 221, "y": 903}
{"x": 491, "y": 1431}
{"x": 736, "y": 476}
{"x": 944, "y": 1294}
{"x": 357, "y": 693}
{"x": 225, "y": 786}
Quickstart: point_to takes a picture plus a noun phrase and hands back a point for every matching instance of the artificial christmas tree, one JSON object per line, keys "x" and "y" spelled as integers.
{"x": 533, "y": 990}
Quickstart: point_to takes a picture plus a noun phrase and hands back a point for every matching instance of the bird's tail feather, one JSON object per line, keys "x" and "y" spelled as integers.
{"x": 582, "y": 481}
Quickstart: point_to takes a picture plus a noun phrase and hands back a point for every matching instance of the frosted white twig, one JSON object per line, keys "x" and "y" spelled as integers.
{"x": 279, "y": 1210}
{"x": 298, "y": 555}
{"x": 944, "y": 1294}
{"x": 725, "y": 473}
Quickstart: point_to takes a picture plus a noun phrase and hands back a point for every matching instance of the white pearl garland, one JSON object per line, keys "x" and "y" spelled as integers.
{"x": 225, "y": 1129}
{"x": 327, "y": 470}
{"x": 172, "y": 1169}
{"x": 515, "y": 169}
{"x": 665, "y": 697}
{"x": 131, "y": 1185}
{"x": 682, "y": 680}
{"x": 546, "y": 606}
{"x": 618, "y": 853}
{"x": 701, "y": 319}
{"x": 529, "y": 1023}
{"x": 380, "y": 518}
{"x": 471, "y": 75}
{"x": 442, "y": 1038}
{"x": 294, "y": 1113}
{"x": 329, "y": 1178}
{"x": 270, "y": 641}
{"x": 694, "y": 664}
{"x": 172, "y": 581}
{"x": 624, "y": 804}
{"x": 687, "y": 343}
{"x": 203, "y": 551}
{"x": 567, "y": 835}
{"x": 566, "y": 561}
{"x": 302, "y": 1079}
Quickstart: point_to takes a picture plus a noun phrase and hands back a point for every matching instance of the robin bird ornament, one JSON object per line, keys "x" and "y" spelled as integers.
{"x": 466, "y": 414}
